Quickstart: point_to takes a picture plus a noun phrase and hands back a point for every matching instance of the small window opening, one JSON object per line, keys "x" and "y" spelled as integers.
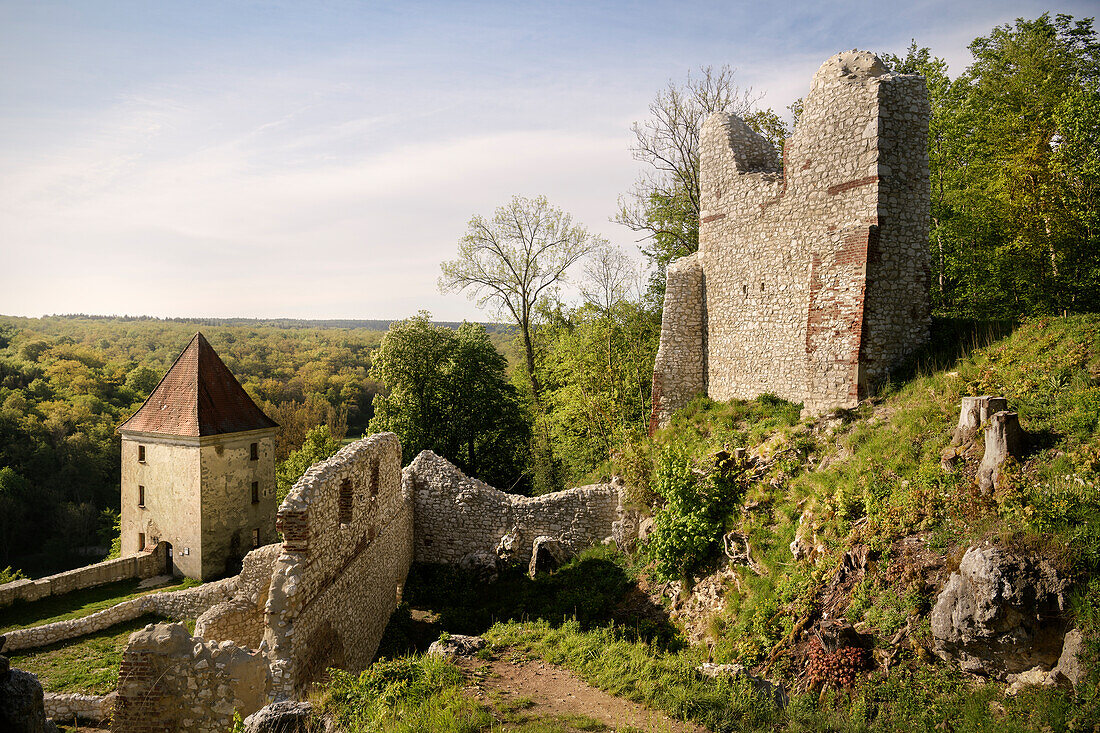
{"x": 374, "y": 476}
{"x": 761, "y": 287}
{"x": 141, "y": 541}
{"x": 141, "y": 454}
{"x": 744, "y": 290}
{"x": 254, "y": 452}
{"x": 255, "y": 538}
{"x": 255, "y": 492}
{"x": 345, "y": 501}
{"x": 141, "y": 496}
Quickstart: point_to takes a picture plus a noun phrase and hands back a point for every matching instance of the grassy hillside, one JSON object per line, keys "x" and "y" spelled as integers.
{"x": 867, "y": 482}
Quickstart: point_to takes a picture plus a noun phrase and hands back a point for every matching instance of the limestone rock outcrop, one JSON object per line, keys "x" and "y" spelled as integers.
{"x": 21, "y": 707}
{"x": 287, "y": 716}
{"x": 1000, "y": 614}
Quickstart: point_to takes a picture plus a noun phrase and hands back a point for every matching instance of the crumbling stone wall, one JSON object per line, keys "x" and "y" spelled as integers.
{"x": 812, "y": 279}
{"x": 458, "y": 516}
{"x": 241, "y": 618}
{"x": 348, "y": 542}
{"x": 171, "y": 681}
{"x": 144, "y": 564}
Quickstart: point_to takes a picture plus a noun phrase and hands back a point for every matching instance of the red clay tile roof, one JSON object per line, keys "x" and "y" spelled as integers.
{"x": 198, "y": 396}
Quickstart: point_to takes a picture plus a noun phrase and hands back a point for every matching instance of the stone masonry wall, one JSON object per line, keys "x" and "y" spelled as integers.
{"x": 679, "y": 372}
{"x": 241, "y": 618}
{"x": 348, "y": 530}
{"x": 170, "y": 681}
{"x": 144, "y": 564}
{"x": 458, "y": 516}
{"x": 814, "y": 277}
{"x": 178, "y": 604}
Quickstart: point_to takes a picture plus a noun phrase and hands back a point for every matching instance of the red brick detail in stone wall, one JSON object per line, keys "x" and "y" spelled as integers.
{"x": 827, "y": 312}
{"x": 712, "y": 217}
{"x": 842, "y": 187}
{"x": 139, "y": 707}
{"x": 294, "y": 526}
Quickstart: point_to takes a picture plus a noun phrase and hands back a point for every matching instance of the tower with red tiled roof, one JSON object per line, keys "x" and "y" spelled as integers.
{"x": 198, "y": 468}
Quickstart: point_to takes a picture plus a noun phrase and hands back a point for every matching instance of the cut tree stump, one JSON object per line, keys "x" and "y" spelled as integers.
{"x": 973, "y": 413}
{"x": 1003, "y": 439}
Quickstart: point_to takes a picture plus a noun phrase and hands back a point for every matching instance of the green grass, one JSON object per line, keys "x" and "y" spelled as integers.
{"x": 87, "y": 665}
{"x": 77, "y": 604}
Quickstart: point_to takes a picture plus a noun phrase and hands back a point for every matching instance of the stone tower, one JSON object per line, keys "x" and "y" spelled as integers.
{"x": 198, "y": 468}
{"x": 811, "y": 280}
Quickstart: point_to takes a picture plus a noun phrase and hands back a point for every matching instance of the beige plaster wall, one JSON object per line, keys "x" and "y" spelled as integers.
{"x": 228, "y": 514}
{"x": 170, "y": 475}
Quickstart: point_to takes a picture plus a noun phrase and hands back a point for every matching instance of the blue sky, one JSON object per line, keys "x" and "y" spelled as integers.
{"x": 319, "y": 160}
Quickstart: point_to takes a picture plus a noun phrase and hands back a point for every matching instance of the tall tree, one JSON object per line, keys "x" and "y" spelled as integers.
{"x": 516, "y": 258}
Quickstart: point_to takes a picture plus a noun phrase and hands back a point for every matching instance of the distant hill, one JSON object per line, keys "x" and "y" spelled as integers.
{"x": 289, "y": 323}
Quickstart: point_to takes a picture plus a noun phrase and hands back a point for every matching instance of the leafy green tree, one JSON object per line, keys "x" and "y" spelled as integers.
{"x": 318, "y": 446}
{"x": 446, "y": 391}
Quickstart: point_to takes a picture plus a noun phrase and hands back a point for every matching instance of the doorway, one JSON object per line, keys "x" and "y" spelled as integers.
{"x": 168, "y": 570}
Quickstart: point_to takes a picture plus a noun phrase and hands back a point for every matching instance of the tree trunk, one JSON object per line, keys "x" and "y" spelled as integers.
{"x": 1003, "y": 439}
{"x": 973, "y": 413}
{"x": 530, "y": 353}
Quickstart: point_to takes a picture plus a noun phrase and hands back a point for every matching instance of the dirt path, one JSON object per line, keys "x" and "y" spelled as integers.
{"x": 543, "y": 690}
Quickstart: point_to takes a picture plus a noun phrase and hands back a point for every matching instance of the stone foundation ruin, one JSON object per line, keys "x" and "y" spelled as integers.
{"x": 811, "y": 279}
{"x": 322, "y": 598}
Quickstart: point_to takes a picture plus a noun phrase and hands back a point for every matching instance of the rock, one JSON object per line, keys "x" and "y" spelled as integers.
{"x": 288, "y": 716}
{"x": 644, "y": 528}
{"x": 806, "y": 544}
{"x": 1003, "y": 440}
{"x": 451, "y": 645}
{"x": 1034, "y": 676}
{"x": 21, "y": 708}
{"x": 1069, "y": 668}
{"x": 624, "y": 530}
{"x": 1000, "y": 614}
{"x": 737, "y": 671}
{"x": 547, "y": 555}
{"x": 485, "y": 566}
{"x": 508, "y": 544}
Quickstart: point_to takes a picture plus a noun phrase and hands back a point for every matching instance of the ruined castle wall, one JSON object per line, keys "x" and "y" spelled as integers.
{"x": 241, "y": 618}
{"x": 679, "y": 370}
{"x": 458, "y": 516}
{"x": 814, "y": 277}
{"x": 347, "y": 550}
{"x": 144, "y": 564}
{"x": 170, "y": 681}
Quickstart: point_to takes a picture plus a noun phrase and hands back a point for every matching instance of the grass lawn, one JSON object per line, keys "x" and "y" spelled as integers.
{"x": 22, "y": 615}
{"x": 88, "y": 665}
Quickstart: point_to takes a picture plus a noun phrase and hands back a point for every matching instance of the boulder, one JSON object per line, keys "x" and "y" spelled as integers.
{"x": 288, "y": 716}
{"x": 485, "y": 566}
{"x": 21, "y": 707}
{"x": 1069, "y": 668}
{"x": 645, "y": 527}
{"x": 1000, "y": 614}
{"x": 508, "y": 544}
{"x": 547, "y": 555}
{"x": 452, "y": 645}
{"x": 736, "y": 671}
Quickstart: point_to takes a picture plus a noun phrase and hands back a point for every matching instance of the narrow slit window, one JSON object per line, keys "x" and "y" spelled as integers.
{"x": 254, "y": 452}
{"x": 255, "y": 492}
{"x": 141, "y": 454}
{"x": 141, "y": 541}
{"x": 374, "y": 476}
{"x": 744, "y": 290}
{"x": 255, "y": 538}
{"x": 141, "y": 496}
{"x": 761, "y": 287}
{"x": 345, "y": 501}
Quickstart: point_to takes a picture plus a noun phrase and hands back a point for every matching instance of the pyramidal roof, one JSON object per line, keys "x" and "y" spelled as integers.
{"x": 198, "y": 396}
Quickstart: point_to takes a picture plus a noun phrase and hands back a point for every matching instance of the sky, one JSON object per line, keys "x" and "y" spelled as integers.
{"x": 320, "y": 160}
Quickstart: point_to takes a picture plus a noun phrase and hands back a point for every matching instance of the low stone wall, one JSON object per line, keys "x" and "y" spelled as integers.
{"x": 178, "y": 604}
{"x": 67, "y": 708}
{"x": 457, "y": 516}
{"x": 145, "y": 564}
{"x": 171, "y": 681}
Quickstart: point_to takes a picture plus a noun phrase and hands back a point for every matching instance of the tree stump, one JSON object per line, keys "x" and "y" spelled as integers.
{"x": 973, "y": 413}
{"x": 1003, "y": 439}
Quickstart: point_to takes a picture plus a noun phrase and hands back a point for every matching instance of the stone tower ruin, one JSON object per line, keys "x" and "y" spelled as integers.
{"x": 811, "y": 279}
{"x": 198, "y": 468}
